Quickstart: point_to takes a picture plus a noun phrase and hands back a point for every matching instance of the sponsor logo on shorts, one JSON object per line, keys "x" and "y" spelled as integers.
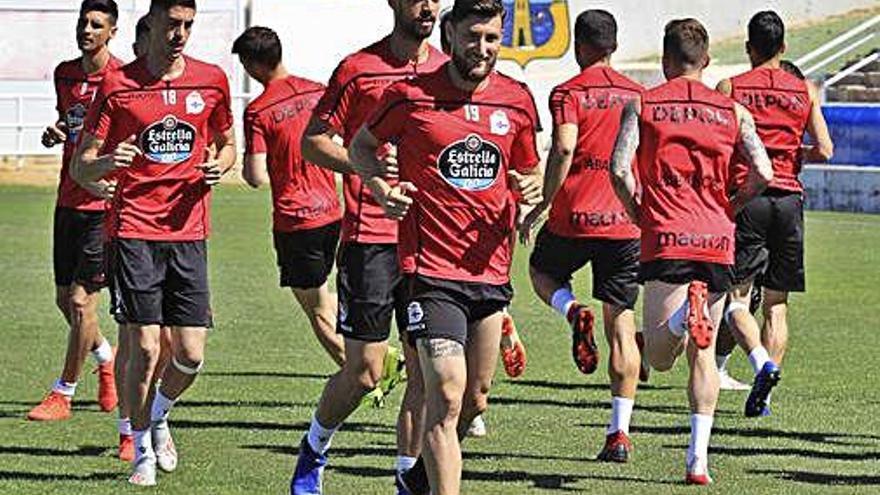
{"x": 343, "y": 316}
{"x": 168, "y": 141}
{"x": 711, "y": 242}
{"x": 195, "y": 104}
{"x": 471, "y": 164}
{"x": 416, "y": 317}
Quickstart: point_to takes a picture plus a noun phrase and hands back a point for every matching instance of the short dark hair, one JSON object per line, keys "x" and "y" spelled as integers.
{"x": 766, "y": 33}
{"x": 259, "y": 44}
{"x": 108, "y": 7}
{"x": 480, "y": 8}
{"x": 596, "y": 28}
{"x": 142, "y": 27}
{"x": 444, "y": 39}
{"x": 687, "y": 41}
{"x": 791, "y": 68}
{"x": 167, "y": 4}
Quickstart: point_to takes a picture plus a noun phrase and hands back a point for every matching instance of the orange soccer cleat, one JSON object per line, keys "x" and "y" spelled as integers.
{"x": 513, "y": 352}
{"x": 107, "y": 398}
{"x": 583, "y": 344}
{"x": 126, "y": 448}
{"x": 55, "y": 407}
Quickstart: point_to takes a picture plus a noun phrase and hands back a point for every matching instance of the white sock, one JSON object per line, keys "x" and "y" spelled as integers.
{"x": 143, "y": 444}
{"x": 65, "y": 388}
{"x": 124, "y": 426}
{"x": 621, "y": 413}
{"x": 561, "y": 300}
{"x": 319, "y": 437}
{"x": 677, "y": 323}
{"x": 405, "y": 463}
{"x": 103, "y": 354}
{"x": 701, "y": 430}
{"x": 161, "y": 407}
{"x": 758, "y": 357}
{"x": 721, "y": 361}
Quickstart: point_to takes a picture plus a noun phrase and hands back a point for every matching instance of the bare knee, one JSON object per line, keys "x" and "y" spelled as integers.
{"x": 365, "y": 377}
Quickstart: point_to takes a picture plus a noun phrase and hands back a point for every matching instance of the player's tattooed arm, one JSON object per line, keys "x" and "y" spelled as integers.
{"x": 751, "y": 148}
{"x": 393, "y": 199}
{"x": 622, "y": 177}
{"x": 320, "y": 147}
{"x": 441, "y": 348}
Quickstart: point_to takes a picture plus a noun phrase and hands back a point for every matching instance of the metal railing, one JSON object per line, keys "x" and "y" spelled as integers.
{"x": 851, "y": 40}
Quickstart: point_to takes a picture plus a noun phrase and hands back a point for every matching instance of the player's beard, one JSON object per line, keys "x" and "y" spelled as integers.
{"x": 415, "y": 30}
{"x": 465, "y": 67}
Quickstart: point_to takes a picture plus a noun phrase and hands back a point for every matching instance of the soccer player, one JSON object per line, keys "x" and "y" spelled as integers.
{"x": 770, "y": 229}
{"x": 369, "y": 284}
{"x": 79, "y": 215}
{"x": 141, "y": 37}
{"x": 150, "y": 125}
{"x": 588, "y": 223}
{"x": 685, "y": 135}
{"x": 306, "y": 209}
{"x": 466, "y": 138}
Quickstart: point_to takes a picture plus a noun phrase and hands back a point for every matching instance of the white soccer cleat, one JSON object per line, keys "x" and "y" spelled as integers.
{"x": 143, "y": 472}
{"x": 727, "y": 382}
{"x": 477, "y": 428}
{"x": 163, "y": 444}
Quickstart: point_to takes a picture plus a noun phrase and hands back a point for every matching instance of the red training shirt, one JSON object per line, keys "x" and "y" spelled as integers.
{"x": 687, "y": 138}
{"x": 303, "y": 195}
{"x": 586, "y": 205}
{"x": 780, "y": 104}
{"x": 456, "y": 147}
{"x": 74, "y": 91}
{"x": 162, "y": 196}
{"x": 353, "y": 93}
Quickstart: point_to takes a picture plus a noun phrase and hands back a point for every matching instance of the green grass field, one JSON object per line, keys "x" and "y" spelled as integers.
{"x": 238, "y": 428}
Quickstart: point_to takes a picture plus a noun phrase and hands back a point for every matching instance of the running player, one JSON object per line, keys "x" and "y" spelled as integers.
{"x": 588, "y": 224}
{"x": 151, "y": 123}
{"x": 466, "y": 138}
{"x": 770, "y": 229}
{"x": 306, "y": 209}
{"x": 78, "y": 242}
{"x": 369, "y": 282}
{"x": 685, "y": 135}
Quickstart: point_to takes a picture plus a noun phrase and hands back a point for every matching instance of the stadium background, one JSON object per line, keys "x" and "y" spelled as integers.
{"x": 239, "y": 426}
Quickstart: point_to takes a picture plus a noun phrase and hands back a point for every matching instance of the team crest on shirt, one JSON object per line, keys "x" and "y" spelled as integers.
{"x": 195, "y": 104}
{"x": 74, "y": 119}
{"x": 168, "y": 141}
{"x": 471, "y": 164}
{"x": 535, "y": 29}
{"x": 498, "y": 123}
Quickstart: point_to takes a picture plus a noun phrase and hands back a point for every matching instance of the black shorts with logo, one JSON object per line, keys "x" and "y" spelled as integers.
{"x": 445, "y": 309}
{"x": 161, "y": 282}
{"x": 615, "y": 264}
{"x": 770, "y": 241}
{"x": 371, "y": 290}
{"x": 718, "y": 277}
{"x": 305, "y": 257}
{"x": 78, "y": 248}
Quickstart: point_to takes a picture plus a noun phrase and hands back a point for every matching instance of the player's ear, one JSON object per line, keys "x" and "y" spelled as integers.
{"x": 113, "y": 31}
{"x": 707, "y": 60}
{"x": 782, "y": 49}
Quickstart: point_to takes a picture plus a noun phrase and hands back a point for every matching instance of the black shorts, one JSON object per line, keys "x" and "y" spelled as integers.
{"x": 305, "y": 257}
{"x": 718, "y": 277}
{"x": 615, "y": 264}
{"x": 115, "y": 296}
{"x": 162, "y": 282}
{"x": 770, "y": 241}
{"x": 78, "y": 248}
{"x": 370, "y": 290}
{"x": 445, "y": 309}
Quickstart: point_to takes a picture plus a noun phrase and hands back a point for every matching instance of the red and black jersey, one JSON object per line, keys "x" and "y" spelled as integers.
{"x": 74, "y": 91}
{"x": 586, "y": 205}
{"x": 456, "y": 147}
{"x": 303, "y": 195}
{"x": 162, "y": 196}
{"x": 687, "y": 138}
{"x": 352, "y": 95}
{"x": 780, "y": 104}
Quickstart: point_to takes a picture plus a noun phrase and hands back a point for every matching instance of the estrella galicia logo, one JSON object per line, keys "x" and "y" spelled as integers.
{"x": 471, "y": 164}
{"x": 168, "y": 141}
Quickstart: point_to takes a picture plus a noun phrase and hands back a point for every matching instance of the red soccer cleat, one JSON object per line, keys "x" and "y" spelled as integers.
{"x": 583, "y": 345}
{"x": 107, "y": 398}
{"x": 55, "y": 407}
{"x": 126, "y": 448}
{"x": 644, "y": 366}
{"x": 699, "y": 324}
{"x": 513, "y": 352}
{"x": 617, "y": 448}
{"x": 697, "y": 473}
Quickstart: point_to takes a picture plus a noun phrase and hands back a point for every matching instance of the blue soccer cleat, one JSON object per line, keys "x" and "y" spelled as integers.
{"x": 413, "y": 481}
{"x": 765, "y": 380}
{"x": 308, "y": 476}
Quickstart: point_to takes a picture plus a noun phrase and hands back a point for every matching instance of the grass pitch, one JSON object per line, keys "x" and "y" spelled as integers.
{"x": 238, "y": 428}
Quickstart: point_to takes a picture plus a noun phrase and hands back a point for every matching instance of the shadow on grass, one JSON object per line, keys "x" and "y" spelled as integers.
{"x": 267, "y": 425}
{"x": 267, "y": 374}
{"x": 578, "y": 386}
{"x": 598, "y": 405}
{"x": 52, "y": 477}
{"x": 790, "y": 452}
{"x": 763, "y": 433}
{"x": 391, "y": 451}
{"x": 81, "y": 451}
{"x": 186, "y": 404}
{"x": 830, "y": 479}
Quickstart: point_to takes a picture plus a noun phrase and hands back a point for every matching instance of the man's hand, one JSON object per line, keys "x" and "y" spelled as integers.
{"x": 528, "y": 222}
{"x": 213, "y": 172}
{"x": 54, "y": 134}
{"x": 388, "y": 159}
{"x": 393, "y": 199}
{"x": 125, "y": 153}
{"x": 102, "y": 189}
{"x": 529, "y": 187}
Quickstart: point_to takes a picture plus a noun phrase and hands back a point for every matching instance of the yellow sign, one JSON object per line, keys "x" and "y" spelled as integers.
{"x": 535, "y": 29}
